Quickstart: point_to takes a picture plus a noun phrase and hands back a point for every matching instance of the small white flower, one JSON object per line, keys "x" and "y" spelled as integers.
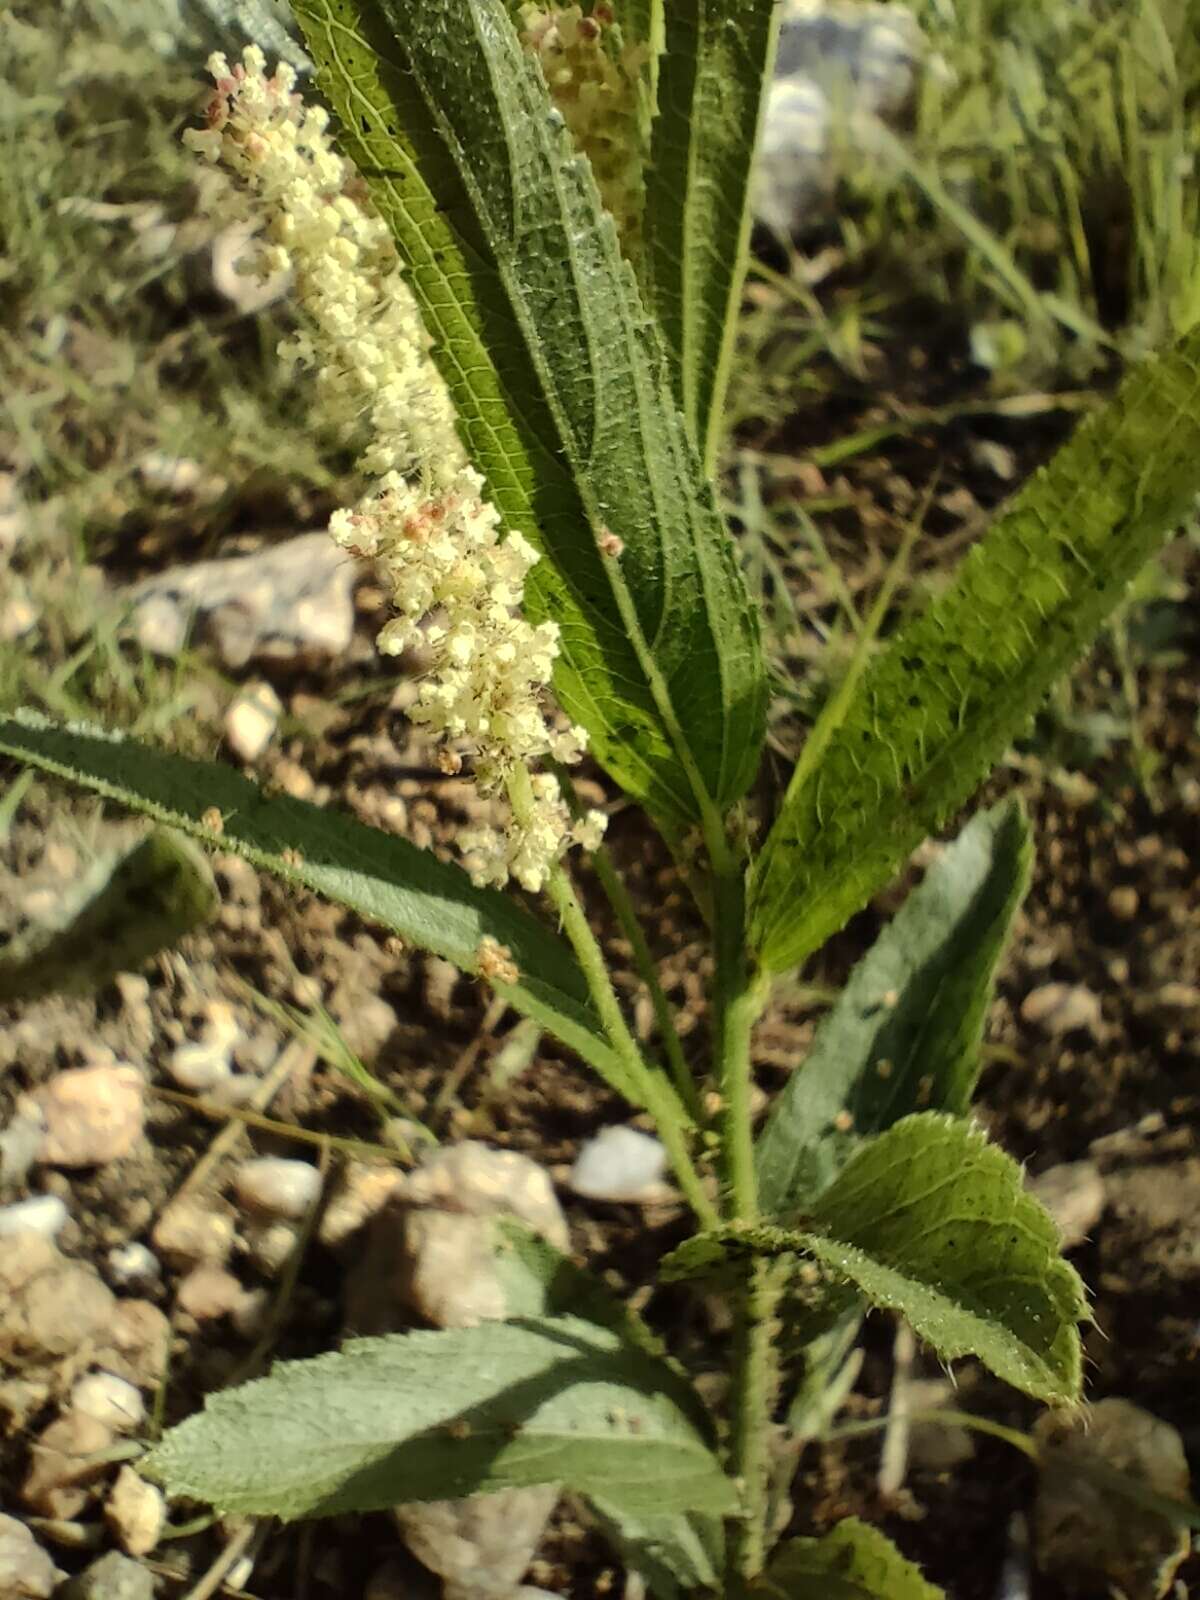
{"x": 457, "y": 580}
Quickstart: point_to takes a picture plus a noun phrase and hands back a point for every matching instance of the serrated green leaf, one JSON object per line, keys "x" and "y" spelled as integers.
{"x": 854, "y": 1562}
{"x": 439, "y": 1415}
{"x": 904, "y": 1034}
{"x": 560, "y": 383}
{"x": 390, "y": 881}
{"x": 958, "y": 683}
{"x": 711, "y": 87}
{"x": 933, "y": 1222}
{"x": 148, "y": 899}
{"x": 669, "y": 1549}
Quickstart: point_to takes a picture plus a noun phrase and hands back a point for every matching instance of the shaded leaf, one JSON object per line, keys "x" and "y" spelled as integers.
{"x": 670, "y": 1549}
{"x": 560, "y": 383}
{"x": 932, "y": 1221}
{"x": 438, "y": 1415}
{"x": 904, "y": 1033}
{"x": 387, "y": 880}
{"x": 146, "y": 901}
{"x": 712, "y": 82}
{"x": 853, "y": 1562}
{"x": 959, "y": 682}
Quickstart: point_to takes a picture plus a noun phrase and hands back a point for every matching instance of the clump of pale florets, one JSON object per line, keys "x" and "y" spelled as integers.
{"x": 457, "y": 581}
{"x": 595, "y": 81}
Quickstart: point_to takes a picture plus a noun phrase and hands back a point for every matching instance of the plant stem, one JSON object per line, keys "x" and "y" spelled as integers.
{"x": 740, "y": 995}
{"x": 658, "y": 1097}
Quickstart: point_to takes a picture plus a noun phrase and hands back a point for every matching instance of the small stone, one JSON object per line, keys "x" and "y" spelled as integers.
{"x": 26, "y": 1571}
{"x": 278, "y": 1186}
{"x": 25, "y": 1258}
{"x": 110, "y": 1400}
{"x": 249, "y": 1316}
{"x": 57, "y": 1312}
{"x": 251, "y": 721}
{"x": 136, "y": 1512}
{"x": 112, "y": 1577}
{"x": 621, "y": 1164}
{"x": 1073, "y": 1194}
{"x": 362, "y": 1192}
{"x": 269, "y": 1245}
{"x": 1123, "y": 902}
{"x": 190, "y": 1231}
{"x": 20, "y": 1143}
{"x": 137, "y": 1342}
{"x": 133, "y": 1266}
{"x": 207, "y": 1293}
{"x": 1082, "y": 1530}
{"x": 473, "y": 1178}
{"x": 1179, "y": 996}
{"x": 44, "y": 1214}
{"x": 1058, "y": 1008}
{"x": 480, "y": 1546}
{"x": 93, "y": 1115}
{"x": 199, "y": 1065}
{"x": 61, "y": 1469}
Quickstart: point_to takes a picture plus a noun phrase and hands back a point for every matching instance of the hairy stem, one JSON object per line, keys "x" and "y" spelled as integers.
{"x": 659, "y": 1098}
{"x": 740, "y": 995}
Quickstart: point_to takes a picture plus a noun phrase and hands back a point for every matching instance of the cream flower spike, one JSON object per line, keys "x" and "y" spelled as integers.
{"x": 457, "y": 581}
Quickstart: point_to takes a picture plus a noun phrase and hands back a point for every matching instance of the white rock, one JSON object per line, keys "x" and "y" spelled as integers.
{"x": 251, "y": 720}
{"x": 277, "y": 1185}
{"x": 136, "y": 1512}
{"x": 133, "y": 1265}
{"x": 198, "y": 1065}
{"x": 361, "y": 1192}
{"x": 57, "y": 1310}
{"x": 482, "y": 1182}
{"x": 269, "y": 1244}
{"x": 93, "y": 1115}
{"x": 26, "y": 1571}
{"x": 620, "y": 1163}
{"x": 482, "y": 1545}
{"x": 62, "y": 1469}
{"x": 44, "y": 1214}
{"x": 110, "y": 1400}
{"x": 1058, "y": 1008}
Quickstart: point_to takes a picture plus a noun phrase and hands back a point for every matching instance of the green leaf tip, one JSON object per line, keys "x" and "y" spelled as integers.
{"x": 852, "y": 1562}
{"x": 932, "y": 1221}
{"x": 940, "y": 705}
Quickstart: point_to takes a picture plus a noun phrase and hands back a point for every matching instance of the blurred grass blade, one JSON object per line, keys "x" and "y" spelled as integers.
{"x": 712, "y": 84}
{"x": 146, "y": 901}
{"x": 428, "y": 902}
{"x": 940, "y": 705}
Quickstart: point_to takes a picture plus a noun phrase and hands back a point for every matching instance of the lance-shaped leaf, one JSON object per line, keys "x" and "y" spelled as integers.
{"x": 711, "y": 88}
{"x": 904, "y": 1034}
{"x": 932, "y": 1221}
{"x": 439, "y": 1415}
{"x": 146, "y": 900}
{"x": 958, "y": 683}
{"x": 390, "y": 881}
{"x": 673, "y": 1550}
{"x": 561, "y": 385}
{"x": 854, "y": 1562}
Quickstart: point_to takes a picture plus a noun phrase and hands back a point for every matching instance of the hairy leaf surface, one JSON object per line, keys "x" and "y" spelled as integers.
{"x": 712, "y": 82}
{"x": 904, "y": 1033}
{"x": 853, "y": 1562}
{"x": 958, "y": 683}
{"x": 561, "y": 384}
{"x": 146, "y": 901}
{"x": 431, "y": 903}
{"x": 438, "y": 1415}
{"x": 932, "y": 1221}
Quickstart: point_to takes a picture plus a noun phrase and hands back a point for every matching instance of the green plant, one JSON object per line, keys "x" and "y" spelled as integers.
{"x": 584, "y": 369}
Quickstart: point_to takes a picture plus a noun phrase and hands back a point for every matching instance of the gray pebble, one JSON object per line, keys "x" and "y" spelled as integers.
{"x": 133, "y": 1266}
{"x": 113, "y": 1577}
{"x": 278, "y": 1186}
{"x": 109, "y": 1399}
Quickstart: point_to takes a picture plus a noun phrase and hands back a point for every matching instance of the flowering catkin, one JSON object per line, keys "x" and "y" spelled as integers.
{"x": 457, "y": 581}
